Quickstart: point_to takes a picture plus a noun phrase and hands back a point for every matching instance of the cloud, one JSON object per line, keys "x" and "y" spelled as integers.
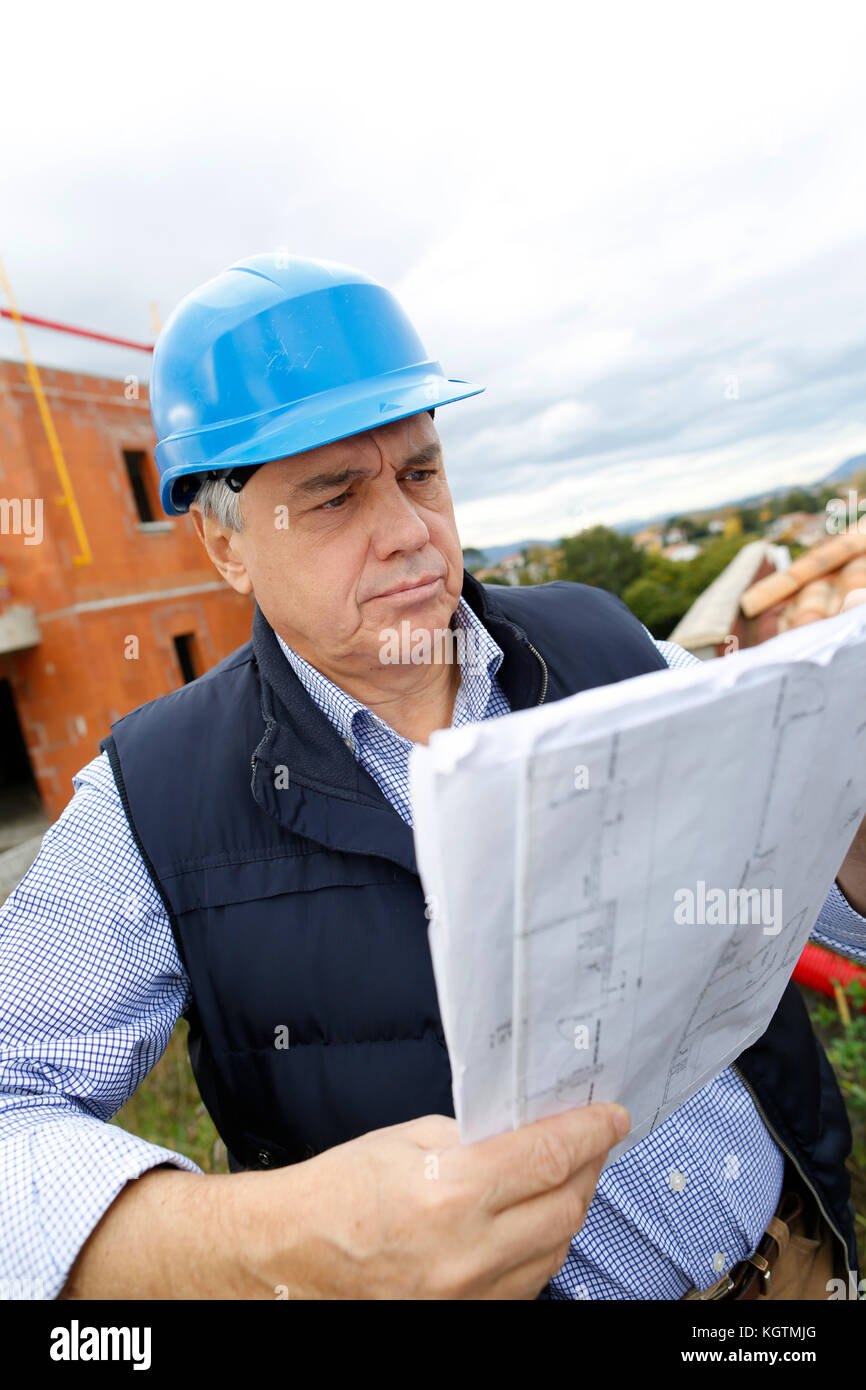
{"x": 605, "y": 217}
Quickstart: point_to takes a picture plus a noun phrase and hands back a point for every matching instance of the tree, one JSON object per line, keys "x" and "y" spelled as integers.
{"x": 602, "y": 557}
{"x": 799, "y": 500}
{"x": 750, "y": 518}
{"x": 657, "y": 607}
{"x": 691, "y": 529}
{"x": 473, "y": 559}
{"x": 537, "y": 567}
{"x": 667, "y": 588}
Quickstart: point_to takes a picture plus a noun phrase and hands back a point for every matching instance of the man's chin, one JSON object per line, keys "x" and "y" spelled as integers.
{"x": 417, "y": 634}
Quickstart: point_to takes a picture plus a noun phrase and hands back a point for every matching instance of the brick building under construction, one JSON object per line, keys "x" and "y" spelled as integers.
{"x": 89, "y": 631}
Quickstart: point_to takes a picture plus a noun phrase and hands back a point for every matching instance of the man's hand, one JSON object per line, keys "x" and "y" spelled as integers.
{"x": 402, "y": 1212}
{"x": 406, "y": 1212}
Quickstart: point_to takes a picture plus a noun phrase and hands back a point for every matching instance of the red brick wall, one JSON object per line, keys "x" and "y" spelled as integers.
{"x": 150, "y": 586}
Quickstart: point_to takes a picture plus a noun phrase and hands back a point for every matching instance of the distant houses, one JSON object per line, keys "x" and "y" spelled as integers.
{"x": 534, "y": 565}
{"x": 715, "y": 580}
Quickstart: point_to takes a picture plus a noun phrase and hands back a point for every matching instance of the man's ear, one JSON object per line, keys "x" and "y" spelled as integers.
{"x": 222, "y": 545}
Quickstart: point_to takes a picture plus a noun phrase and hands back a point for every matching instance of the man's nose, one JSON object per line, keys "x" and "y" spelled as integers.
{"x": 394, "y": 522}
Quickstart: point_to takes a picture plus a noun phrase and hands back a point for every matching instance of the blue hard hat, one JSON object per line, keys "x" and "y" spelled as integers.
{"x": 276, "y": 355}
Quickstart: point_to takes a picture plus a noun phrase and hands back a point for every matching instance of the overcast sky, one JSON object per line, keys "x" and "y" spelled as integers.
{"x": 642, "y": 228}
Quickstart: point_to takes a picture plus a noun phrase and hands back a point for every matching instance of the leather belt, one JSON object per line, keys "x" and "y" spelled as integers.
{"x": 751, "y": 1278}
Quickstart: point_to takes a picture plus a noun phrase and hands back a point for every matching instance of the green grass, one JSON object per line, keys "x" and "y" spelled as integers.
{"x": 166, "y": 1109}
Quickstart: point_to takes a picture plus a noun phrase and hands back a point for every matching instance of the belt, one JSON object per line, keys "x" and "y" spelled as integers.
{"x": 751, "y": 1278}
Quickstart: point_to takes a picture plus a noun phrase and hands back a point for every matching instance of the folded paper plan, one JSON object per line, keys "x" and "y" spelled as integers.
{"x": 619, "y": 884}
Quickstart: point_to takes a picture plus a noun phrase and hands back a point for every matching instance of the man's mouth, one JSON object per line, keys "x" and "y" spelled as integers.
{"x": 417, "y": 588}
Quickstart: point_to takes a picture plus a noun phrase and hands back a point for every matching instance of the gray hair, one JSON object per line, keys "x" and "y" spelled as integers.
{"x": 218, "y": 500}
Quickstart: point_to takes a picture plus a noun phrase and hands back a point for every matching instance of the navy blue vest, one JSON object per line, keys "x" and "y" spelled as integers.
{"x": 293, "y": 893}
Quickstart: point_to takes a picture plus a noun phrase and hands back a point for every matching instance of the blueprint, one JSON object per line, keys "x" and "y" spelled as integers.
{"x": 620, "y": 883}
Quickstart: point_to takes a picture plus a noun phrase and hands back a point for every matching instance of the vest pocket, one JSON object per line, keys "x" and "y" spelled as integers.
{"x": 261, "y": 1154}
{"x": 268, "y": 876}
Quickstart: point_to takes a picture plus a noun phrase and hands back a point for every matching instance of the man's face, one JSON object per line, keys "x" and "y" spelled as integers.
{"x": 328, "y": 533}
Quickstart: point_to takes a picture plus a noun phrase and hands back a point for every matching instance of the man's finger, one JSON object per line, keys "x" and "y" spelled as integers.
{"x": 544, "y": 1155}
{"x": 537, "y": 1228}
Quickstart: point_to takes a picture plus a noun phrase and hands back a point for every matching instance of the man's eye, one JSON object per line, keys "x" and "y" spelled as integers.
{"x": 421, "y": 475}
{"x": 330, "y": 506}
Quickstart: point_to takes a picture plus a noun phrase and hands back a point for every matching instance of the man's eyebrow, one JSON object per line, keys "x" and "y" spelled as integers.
{"x": 430, "y": 453}
{"x": 324, "y": 482}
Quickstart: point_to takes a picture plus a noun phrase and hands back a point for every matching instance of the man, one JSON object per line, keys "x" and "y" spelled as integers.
{"x": 255, "y": 869}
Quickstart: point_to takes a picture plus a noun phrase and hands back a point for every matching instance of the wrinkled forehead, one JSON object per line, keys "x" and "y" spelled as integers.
{"x": 396, "y": 444}
{"x": 391, "y": 441}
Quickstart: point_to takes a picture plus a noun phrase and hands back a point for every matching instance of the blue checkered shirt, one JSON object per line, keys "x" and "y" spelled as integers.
{"x": 91, "y": 987}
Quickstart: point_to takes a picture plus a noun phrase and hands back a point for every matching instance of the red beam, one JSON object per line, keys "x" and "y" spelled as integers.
{"x": 80, "y": 332}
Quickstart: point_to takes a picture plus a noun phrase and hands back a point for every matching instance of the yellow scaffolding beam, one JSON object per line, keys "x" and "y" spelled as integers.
{"x": 68, "y": 497}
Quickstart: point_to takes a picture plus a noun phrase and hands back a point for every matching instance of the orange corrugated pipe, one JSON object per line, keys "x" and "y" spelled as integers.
{"x": 79, "y": 332}
{"x": 817, "y": 968}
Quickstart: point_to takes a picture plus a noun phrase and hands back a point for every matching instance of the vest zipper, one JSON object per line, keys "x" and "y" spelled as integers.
{"x": 540, "y": 700}
{"x": 837, "y": 1233}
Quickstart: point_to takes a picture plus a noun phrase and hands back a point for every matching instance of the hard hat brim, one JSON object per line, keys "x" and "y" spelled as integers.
{"x": 308, "y": 424}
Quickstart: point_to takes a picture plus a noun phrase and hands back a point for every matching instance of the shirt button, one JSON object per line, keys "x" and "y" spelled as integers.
{"x": 263, "y": 1158}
